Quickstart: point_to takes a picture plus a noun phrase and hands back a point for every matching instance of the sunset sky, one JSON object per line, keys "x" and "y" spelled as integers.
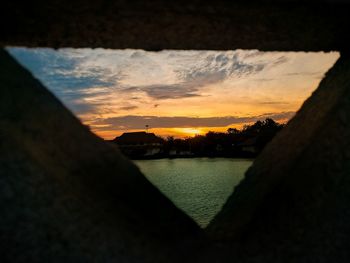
{"x": 178, "y": 93}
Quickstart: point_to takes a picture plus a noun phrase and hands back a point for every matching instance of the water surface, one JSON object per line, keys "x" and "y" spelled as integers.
{"x": 198, "y": 186}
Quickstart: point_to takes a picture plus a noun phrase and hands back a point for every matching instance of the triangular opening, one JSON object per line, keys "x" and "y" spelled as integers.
{"x": 177, "y": 95}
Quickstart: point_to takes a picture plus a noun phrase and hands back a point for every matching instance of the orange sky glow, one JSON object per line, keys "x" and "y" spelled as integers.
{"x": 176, "y": 93}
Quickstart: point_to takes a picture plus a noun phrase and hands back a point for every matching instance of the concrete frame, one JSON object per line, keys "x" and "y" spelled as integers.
{"x": 294, "y": 203}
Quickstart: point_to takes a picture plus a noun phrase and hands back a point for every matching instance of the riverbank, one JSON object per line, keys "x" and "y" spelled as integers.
{"x": 192, "y": 156}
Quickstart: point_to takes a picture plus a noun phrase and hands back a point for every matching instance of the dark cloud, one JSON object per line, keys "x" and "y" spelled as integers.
{"x": 273, "y": 102}
{"x": 214, "y": 68}
{"x": 218, "y": 67}
{"x": 280, "y": 60}
{"x": 263, "y": 79}
{"x": 139, "y": 122}
{"x": 304, "y": 73}
{"x": 62, "y": 72}
{"x": 211, "y": 69}
{"x": 82, "y": 108}
{"x": 137, "y": 54}
{"x": 162, "y": 92}
{"x": 171, "y": 91}
{"x": 131, "y": 107}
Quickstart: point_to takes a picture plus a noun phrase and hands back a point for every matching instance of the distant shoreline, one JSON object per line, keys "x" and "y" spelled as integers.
{"x": 189, "y": 157}
{"x": 245, "y": 143}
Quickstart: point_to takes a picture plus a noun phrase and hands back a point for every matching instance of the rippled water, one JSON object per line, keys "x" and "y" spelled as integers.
{"x": 198, "y": 186}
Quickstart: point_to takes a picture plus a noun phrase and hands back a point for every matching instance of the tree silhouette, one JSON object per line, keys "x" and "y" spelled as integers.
{"x": 229, "y": 144}
{"x": 232, "y": 131}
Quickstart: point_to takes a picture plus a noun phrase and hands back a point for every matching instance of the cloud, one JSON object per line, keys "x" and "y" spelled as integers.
{"x": 218, "y": 66}
{"x": 131, "y": 107}
{"x": 263, "y": 79}
{"x": 139, "y": 122}
{"x": 64, "y": 73}
{"x": 162, "y": 92}
{"x": 81, "y": 108}
{"x": 315, "y": 73}
{"x": 273, "y": 102}
{"x": 280, "y": 60}
{"x": 62, "y": 70}
{"x": 209, "y": 68}
{"x": 71, "y": 74}
{"x": 96, "y": 83}
{"x": 192, "y": 71}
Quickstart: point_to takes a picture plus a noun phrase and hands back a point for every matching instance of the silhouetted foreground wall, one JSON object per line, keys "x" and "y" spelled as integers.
{"x": 272, "y": 25}
{"x": 66, "y": 195}
{"x": 294, "y": 203}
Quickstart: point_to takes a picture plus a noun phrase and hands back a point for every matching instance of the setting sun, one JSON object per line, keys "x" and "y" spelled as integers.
{"x": 189, "y": 131}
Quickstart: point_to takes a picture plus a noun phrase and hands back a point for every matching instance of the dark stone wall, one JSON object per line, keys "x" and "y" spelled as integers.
{"x": 159, "y": 24}
{"x": 294, "y": 201}
{"x": 66, "y": 195}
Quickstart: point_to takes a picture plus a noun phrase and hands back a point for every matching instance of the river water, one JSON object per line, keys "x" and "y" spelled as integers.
{"x": 198, "y": 186}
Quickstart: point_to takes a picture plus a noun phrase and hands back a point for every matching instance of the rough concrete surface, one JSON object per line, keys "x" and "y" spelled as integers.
{"x": 294, "y": 201}
{"x": 66, "y": 195}
{"x": 159, "y": 24}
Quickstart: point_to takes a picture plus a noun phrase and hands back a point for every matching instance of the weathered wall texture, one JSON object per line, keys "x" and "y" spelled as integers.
{"x": 66, "y": 194}
{"x": 182, "y": 24}
{"x": 294, "y": 201}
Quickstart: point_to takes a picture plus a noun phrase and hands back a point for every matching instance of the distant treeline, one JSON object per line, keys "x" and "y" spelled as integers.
{"x": 247, "y": 142}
